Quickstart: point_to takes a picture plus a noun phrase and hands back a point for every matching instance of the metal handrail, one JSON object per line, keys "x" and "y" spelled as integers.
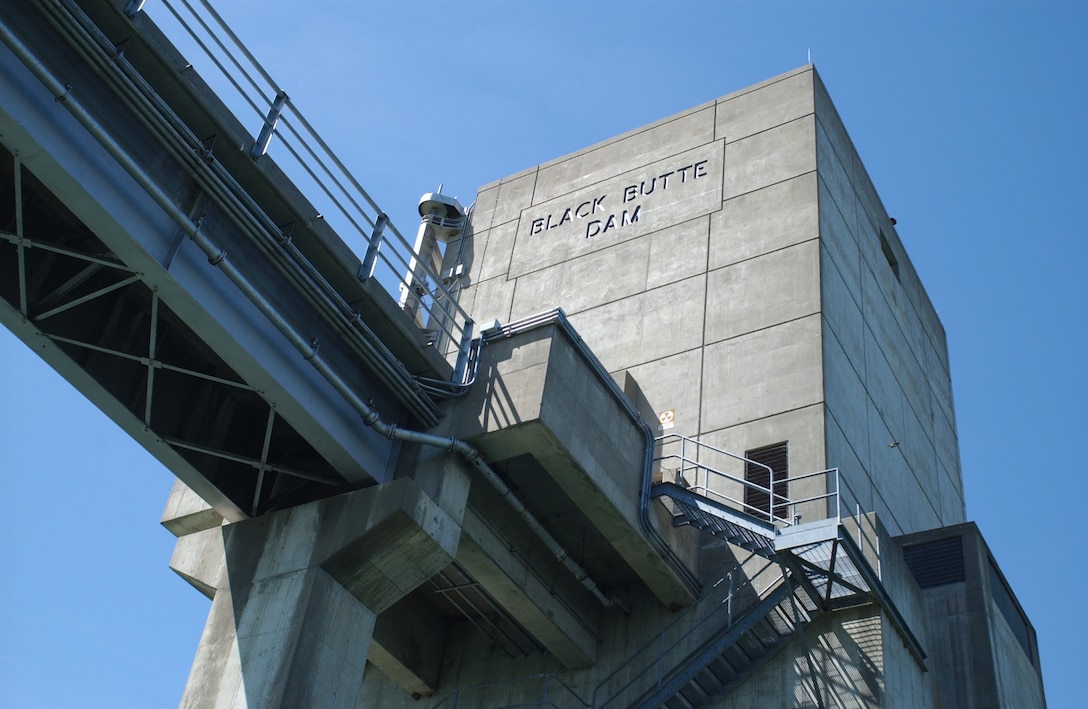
{"x": 694, "y": 464}
{"x": 683, "y": 634}
{"x": 299, "y": 148}
{"x": 841, "y": 498}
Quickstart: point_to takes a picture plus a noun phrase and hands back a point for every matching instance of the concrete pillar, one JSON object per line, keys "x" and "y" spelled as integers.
{"x": 298, "y": 593}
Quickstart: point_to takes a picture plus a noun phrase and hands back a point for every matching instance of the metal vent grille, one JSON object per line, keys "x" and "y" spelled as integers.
{"x": 936, "y": 563}
{"x": 755, "y": 500}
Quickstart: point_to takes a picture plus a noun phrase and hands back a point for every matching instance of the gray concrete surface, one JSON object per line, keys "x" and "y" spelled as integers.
{"x": 730, "y": 265}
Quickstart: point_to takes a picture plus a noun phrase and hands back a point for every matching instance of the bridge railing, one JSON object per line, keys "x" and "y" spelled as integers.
{"x": 255, "y": 99}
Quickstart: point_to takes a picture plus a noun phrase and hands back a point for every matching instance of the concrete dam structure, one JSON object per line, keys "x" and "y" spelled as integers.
{"x": 623, "y": 434}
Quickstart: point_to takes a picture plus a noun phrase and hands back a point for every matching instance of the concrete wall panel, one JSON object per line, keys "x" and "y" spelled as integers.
{"x": 764, "y": 291}
{"x": 765, "y": 106}
{"x": 883, "y": 322}
{"x": 493, "y": 248}
{"x": 828, "y": 116}
{"x": 649, "y": 326}
{"x": 836, "y": 174}
{"x": 658, "y": 141}
{"x": 674, "y": 383}
{"x": 491, "y": 300}
{"x": 604, "y": 276}
{"x": 843, "y": 389}
{"x": 770, "y": 157}
{"x": 940, "y": 388}
{"x": 762, "y": 373}
{"x": 890, "y": 474}
{"x": 841, "y": 454}
{"x": 512, "y": 195}
{"x": 842, "y": 313}
{"x": 951, "y": 497}
{"x": 934, "y": 330}
{"x": 841, "y": 242}
{"x": 921, "y": 455}
{"x": 885, "y": 393}
{"x": 764, "y": 220}
{"x": 678, "y": 252}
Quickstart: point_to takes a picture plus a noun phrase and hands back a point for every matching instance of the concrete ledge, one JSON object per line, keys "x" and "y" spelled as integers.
{"x": 186, "y": 512}
{"x": 198, "y": 558}
{"x": 535, "y": 395}
{"x": 546, "y": 610}
{"x": 405, "y": 539}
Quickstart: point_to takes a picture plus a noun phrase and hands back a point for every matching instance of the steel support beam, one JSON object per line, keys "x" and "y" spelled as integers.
{"x": 47, "y": 139}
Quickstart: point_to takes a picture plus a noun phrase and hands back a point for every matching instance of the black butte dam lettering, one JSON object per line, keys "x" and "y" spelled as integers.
{"x": 600, "y": 218}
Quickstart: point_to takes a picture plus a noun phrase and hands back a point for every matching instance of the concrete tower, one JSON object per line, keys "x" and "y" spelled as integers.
{"x": 730, "y": 284}
{"x": 664, "y": 422}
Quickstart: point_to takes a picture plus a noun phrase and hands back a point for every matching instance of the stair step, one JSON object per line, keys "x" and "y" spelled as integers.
{"x": 723, "y": 670}
{"x": 694, "y": 695}
{"x": 737, "y": 658}
{"x": 767, "y": 633}
{"x": 708, "y": 683}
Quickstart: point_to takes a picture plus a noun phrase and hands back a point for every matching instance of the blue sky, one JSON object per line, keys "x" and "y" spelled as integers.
{"x": 969, "y": 116}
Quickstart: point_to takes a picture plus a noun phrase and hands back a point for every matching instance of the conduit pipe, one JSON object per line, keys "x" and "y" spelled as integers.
{"x": 218, "y": 258}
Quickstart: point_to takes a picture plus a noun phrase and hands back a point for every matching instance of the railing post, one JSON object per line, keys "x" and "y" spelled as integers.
{"x": 771, "y": 519}
{"x": 684, "y": 461}
{"x": 463, "y": 352}
{"x": 857, "y": 521}
{"x": 260, "y": 147}
{"x": 838, "y": 496}
{"x": 366, "y": 269}
{"x": 729, "y": 603}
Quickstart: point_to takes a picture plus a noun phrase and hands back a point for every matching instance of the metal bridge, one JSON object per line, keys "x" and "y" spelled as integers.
{"x": 158, "y": 258}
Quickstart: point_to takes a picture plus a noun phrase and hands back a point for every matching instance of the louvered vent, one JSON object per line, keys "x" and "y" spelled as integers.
{"x": 777, "y": 459}
{"x": 936, "y": 563}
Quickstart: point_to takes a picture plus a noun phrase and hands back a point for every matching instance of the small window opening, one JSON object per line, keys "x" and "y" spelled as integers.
{"x": 758, "y": 502}
{"x": 889, "y": 254}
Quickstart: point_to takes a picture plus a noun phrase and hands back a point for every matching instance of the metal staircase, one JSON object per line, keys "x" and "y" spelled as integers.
{"x": 728, "y": 659}
{"x": 821, "y": 569}
{"x": 691, "y": 508}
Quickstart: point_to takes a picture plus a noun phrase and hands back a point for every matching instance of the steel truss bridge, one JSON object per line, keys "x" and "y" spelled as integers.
{"x": 159, "y": 259}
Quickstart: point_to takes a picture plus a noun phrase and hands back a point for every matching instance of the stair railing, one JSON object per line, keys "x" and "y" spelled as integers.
{"x": 693, "y": 473}
{"x": 649, "y": 666}
{"x": 696, "y": 466}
